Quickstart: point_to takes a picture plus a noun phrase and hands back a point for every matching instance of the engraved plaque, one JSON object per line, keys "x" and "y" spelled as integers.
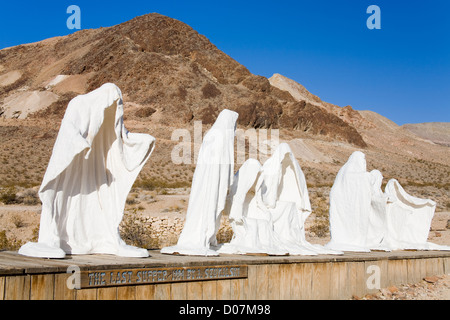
{"x": 121, "y": 277}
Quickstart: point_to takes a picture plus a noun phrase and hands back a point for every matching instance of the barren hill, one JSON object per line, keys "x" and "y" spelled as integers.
{"x": 162, "y": 65}
{"x": 170, "y": 76}
{"x": 438, "y": 132}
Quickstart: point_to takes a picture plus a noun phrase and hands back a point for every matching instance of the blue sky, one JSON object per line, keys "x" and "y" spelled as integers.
{"x": 401, "y": 71}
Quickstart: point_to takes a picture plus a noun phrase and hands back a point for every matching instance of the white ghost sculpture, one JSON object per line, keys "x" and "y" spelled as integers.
{"x": 268, "y": 208}
{"x": 377, "y": 217}
{"x": 350, "y": 206}
{"x": 408, "y": 220}
{"x": 252, "y": 226}
{"x": 94, "y": 164}
{"x": 285, "y": 196}
{"x": 210, "y": 183}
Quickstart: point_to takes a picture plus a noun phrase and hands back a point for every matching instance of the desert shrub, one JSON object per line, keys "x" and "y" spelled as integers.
{"x": 18, "y": 221}
{"x": 157, "y": 184}
{"x": 320, "y": 208}
{"x": 28, "y": 196}
{"x": 8, "y": 195}
{"x": 144, "y": 112}
{"x": 9, "y": 243}
{"x": 320, "y": 228}
{"x": 135, "y": 231}
{"x": 210, "y": 91}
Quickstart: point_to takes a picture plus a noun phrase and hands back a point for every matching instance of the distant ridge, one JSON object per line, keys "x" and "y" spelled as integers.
{"x": 438, "y": 132}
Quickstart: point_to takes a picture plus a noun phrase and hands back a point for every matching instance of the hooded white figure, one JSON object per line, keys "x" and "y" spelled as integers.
{"x": 408, "y": 220}
{"x": 252, "y": 226}
{"x": 210, "y": 183}
{"x": 350, "y": 206}
{"x": 285, "y": 198}
{"x": 94, "y": 164}
{"x": 377, "y": 217}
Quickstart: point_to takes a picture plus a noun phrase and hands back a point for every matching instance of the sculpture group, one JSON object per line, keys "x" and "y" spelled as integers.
{"x": 95, "y": 162}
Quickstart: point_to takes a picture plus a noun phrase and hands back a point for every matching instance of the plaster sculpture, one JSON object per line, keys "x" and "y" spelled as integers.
{"x": 94, "y": 164}
{"x": 210, "y": 183}
{"x": 252, "y": 226}
{"x": 350, "y": 206}
{"x": 408, "y": 220}
{"x": 285, "y": 196}
{"x": 377, "y": 216}
{"x": 269, "y": 206}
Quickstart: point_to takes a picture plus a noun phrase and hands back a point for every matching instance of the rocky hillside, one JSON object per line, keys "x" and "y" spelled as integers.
{"x": 438, "y": 132}
{"x": 165, "y": 68}
{"x": 170, "y": 76}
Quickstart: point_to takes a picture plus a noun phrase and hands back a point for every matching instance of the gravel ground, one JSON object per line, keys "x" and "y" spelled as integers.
{"x": 430, "y": 288}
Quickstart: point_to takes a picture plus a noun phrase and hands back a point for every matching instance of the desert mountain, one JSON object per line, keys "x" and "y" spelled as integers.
{"x": 164, "y": 66}
{"x": 170, "y": 76}
{"x": 438, "y": 132}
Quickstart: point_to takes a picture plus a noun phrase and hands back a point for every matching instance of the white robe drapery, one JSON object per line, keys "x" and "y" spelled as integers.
{"x": 210, "y": 183}
{"x": 377, "y": 216}
{"x": 94, "y": 164}
{"x": 350, "y": 206}
{"x": 408, "y": 220}
{"x": 268, "y": 206}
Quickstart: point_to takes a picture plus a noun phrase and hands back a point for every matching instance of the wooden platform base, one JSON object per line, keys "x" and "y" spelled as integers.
{"x": 104, "y": 277}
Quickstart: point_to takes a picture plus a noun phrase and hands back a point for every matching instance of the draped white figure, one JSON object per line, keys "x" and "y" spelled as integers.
{"x": 377, "y": 217}
{"x": 268, "y": 207}
{"x": 408, "y": 220}
{"x": 210, "y": 183}
{"x": 93, "y": 166}
{"x": 285, "y": 196}
{"x": 252, "y": 226}
{"x": 350, "y": 206}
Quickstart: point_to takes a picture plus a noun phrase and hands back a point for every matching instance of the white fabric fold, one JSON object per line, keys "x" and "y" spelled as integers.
{"x": 268, "y": 206}
{"x": 210, "y": 183}
{"x": 408, "y": 220}
{"x": 350, "y": 206}
{"x": 94, "y": 163}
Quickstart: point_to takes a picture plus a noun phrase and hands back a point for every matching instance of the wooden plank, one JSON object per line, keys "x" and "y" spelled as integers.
{"x": 321, "y": 281}
{"x": 194, "y": 290}
{"x": 413, "y": 270}
{"x": 261, "y": 281}
{"x": 107, "y": 293}
{"x": 178, "y": 291}
{"x": 145, "y": 292}
{"x": 285, "y": 271}
{"x": 356, "y": 279}
{"x": 440, "y": 266}
{"x": 61, "y": 291}
{"x": 397, "y": 270}
{"x": 223, "y": 290}
{"x": 376, "y": 275}
{"x": 251, "y": 282}
{"x": 17, "y": 287}
{"x": 238, "y": 289}
{"x": 274, "y": 282}
{"x": 210, "y": 290}
{"x": 306, "y": 278}
{"x": 447, "y": 266}
{"x": 2, "y": 288}
{"x": 126, "y": 293}
{"x": 434, "y": 266}
{"x": 295, "y": 291}
{"x": 42, "y": 287}
{"x": 86, "y": 294}
{"x": 37, "y": 265}
{"x": 162, "y": 291}
{"x": 338, "y": 278}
